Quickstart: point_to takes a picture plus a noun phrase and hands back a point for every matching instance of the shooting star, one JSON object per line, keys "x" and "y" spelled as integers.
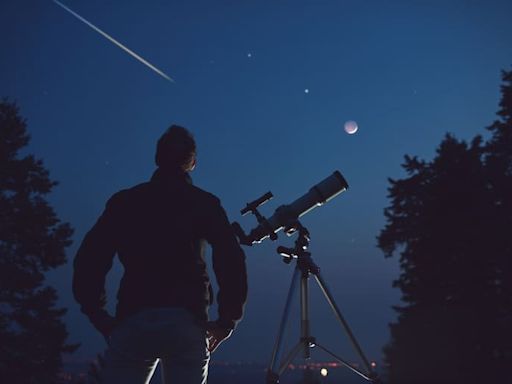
{"x": 143, "y": 61}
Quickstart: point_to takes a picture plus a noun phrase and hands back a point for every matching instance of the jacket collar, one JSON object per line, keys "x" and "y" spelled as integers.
{"x": 171, "y": 176}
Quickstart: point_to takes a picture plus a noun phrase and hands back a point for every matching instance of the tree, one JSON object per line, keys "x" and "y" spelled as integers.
{"x": 498, "y": 161}
{"x": 448, "y": 221}
{"x": 32, "y": 241}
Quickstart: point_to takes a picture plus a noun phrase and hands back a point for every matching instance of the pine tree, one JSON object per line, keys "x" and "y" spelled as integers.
{"x": 498, "y": 160}
{"x": 32, "y": 241}
{"x": 448, "y": 221}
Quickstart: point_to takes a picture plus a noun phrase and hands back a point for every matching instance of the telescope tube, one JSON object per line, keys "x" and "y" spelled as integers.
{"x": 287, "y": 215}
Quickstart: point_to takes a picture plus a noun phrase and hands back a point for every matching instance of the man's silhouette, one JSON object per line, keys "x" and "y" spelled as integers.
{"x": 158, "y": 229}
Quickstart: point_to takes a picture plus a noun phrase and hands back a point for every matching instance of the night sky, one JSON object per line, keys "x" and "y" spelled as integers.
{"x": 265, "y": 86}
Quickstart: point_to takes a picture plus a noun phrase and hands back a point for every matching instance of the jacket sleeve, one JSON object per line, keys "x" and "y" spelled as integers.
{"x": 91, "y": 265}
{"x": 229, "y": 267}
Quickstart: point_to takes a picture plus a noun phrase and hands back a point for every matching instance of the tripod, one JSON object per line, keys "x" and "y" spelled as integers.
{"x": 305, "y": 267}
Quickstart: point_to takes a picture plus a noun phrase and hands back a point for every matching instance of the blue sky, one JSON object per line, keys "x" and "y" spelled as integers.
{"x": 407, "y": 71}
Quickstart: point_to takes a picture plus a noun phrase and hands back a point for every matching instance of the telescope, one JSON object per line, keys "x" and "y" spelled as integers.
{"x": 286, "y": 216}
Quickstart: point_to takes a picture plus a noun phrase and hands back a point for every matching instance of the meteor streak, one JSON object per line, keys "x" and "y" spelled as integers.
{"x": 143, "y": 61}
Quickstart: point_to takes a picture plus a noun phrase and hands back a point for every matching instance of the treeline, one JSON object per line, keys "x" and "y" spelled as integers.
{"x": 32, "y": 242}
{"x": 450, "y": 222}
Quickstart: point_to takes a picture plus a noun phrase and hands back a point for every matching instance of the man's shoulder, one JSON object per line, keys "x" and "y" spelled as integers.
{"x": 129, "y": 193}
{"x": 202, "y": 194}
{"x": 143, "y": 190}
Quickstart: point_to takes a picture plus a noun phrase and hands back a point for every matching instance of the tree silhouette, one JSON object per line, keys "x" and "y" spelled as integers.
{"x": 450, "y": 220}
{"x": 498, "y": 160}
{"x": 32, "y": 241}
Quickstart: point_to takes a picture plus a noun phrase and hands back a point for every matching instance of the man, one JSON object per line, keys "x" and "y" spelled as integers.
{"x": 158, "y": 230}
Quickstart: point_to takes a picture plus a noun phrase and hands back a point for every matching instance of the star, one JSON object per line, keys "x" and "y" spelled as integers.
{"x": 306, "y": 90}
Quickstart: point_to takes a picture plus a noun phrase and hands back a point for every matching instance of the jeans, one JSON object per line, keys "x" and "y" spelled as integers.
{"x": 171, "y": 336}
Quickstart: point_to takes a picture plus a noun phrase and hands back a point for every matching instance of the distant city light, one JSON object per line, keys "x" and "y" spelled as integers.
{"x": 324, "y": 372}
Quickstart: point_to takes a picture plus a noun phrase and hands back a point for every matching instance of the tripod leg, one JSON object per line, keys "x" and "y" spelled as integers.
{"x": 273, "y": 376}
{"x": 284, "y": 320}
{"x": 341, "y": 319}
{"x": 304, "y": 314}
{"x": 296, "y": 349}
{"x": 369, "y": 377}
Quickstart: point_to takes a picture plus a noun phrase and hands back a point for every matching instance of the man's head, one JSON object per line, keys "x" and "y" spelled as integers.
{"x": 176, "y": 149}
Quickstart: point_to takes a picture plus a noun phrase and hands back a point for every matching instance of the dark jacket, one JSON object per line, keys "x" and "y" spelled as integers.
{"x": 158, "y": 230}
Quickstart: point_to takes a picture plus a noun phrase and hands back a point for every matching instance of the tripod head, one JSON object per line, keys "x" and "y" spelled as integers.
{"x": 301, "y": 244}
{"x": 300, "y": 251}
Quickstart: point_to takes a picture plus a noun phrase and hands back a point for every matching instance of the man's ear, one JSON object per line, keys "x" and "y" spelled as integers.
{"x": 193, "y": 164}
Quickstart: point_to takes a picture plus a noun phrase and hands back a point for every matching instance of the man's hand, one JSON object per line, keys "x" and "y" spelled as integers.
{"x": 216, "y": 335}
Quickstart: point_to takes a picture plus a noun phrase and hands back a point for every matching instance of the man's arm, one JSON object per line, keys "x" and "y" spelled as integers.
{"x": 92, "y": 263}
{"x": 230, "y": 271}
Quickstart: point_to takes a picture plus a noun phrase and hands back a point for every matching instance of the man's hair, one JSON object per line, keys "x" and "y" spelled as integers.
{"x": 176, "y": 148}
